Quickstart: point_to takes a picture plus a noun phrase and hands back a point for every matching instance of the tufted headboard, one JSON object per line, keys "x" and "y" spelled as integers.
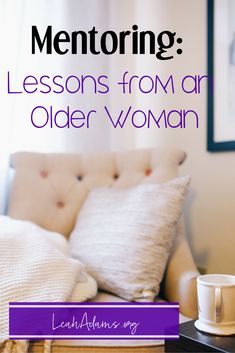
{"x": 49, "y": 189}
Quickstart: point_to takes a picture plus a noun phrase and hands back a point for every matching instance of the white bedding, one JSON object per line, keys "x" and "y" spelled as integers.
{"x": 35, "y": 266}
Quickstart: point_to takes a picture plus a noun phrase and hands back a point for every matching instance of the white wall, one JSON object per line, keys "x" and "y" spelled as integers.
{"x": 212, "y": 226}
{"x": 211, "y": 204}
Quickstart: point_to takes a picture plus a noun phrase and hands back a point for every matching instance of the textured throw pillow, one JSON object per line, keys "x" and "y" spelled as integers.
{"x": 124, "y": 236}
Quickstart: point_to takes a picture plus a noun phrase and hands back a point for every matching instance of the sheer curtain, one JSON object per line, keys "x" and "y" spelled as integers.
{"x": 16, "y": 131}
{"x": 62, "y": 15}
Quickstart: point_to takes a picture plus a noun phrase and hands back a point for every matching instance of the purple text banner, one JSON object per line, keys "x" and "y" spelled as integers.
{"x": 91, "y": 320}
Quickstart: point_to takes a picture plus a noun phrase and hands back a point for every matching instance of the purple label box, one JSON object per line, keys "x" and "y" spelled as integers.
{"x": 93, "y": 320}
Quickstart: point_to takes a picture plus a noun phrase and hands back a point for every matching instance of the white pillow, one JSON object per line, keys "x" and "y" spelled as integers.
{"x": 124, "y": 236}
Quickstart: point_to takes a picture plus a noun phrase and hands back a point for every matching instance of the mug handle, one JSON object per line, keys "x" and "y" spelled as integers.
{"x": 218, "y": 302}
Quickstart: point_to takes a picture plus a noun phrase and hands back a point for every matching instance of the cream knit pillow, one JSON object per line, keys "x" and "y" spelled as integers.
{"x": 124, "y": 236}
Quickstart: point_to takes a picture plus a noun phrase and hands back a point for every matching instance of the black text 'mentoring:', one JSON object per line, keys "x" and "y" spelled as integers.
{"x": 109, "y": 42}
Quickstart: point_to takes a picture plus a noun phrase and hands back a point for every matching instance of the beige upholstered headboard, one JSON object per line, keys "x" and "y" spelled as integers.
{"x": 49, "y": 189}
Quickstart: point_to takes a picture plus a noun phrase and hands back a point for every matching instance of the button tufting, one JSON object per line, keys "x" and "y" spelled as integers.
{"x": 79, "y": 177}
{"x": 60, "y": 204}
{"x": 148, "y": 172}
{"x": 44, "y": 174}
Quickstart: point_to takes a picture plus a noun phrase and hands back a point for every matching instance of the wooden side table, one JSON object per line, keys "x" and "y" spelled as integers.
{"x": 192, "y": 340}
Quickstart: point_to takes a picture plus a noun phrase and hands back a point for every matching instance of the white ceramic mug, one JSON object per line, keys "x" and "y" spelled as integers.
{"x": 216, "y": 304}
